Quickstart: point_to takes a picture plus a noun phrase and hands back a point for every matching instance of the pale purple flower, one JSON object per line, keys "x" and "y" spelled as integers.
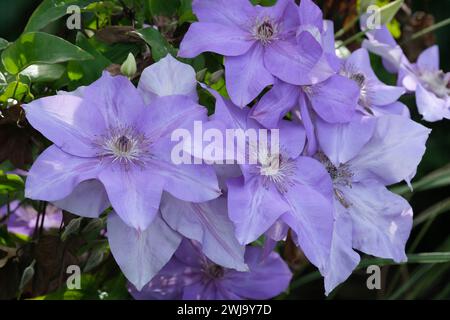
{"x": 259, "y": 43}
{"x": 192, "y": 276}
{"x": 424, "y": 77}
{"x": 110, "y": 147}
{"x": 362, "y": 157}
{"x": 22, "y": 220}
{"x": 297, "y": 191}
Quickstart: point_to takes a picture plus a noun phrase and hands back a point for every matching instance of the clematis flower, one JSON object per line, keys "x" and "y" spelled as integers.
{"x": 424, "y": 77}
{"x": 282, "y": 185}
{"x": 22, "y": 220}
{"x": 362, "y": 158}
{"x": 191, "y": 276}
{"x": 375, "y": 97}
{"x": 109, "y": 147}
{"x": 259, "y": 44}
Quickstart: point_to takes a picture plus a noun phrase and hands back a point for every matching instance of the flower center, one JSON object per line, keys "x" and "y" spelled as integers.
{"x": 341, "y": 176}
{"x": 364, "y": 86}
{"x": 265, "y": 30}
{"x": 214, "y": 271}
{"x": 437, "y": 82}
{"x": 278, "y": 170}
{"x": 126, "y": 146}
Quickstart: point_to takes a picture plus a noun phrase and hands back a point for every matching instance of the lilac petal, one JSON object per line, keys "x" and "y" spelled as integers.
{"x": 394, "y": 151}
{"x": 429, "y": 59}
{"x": 116, "y": 99}
{"x": 134, "y": 193}
{"x": 247, "y": 76}
{"x": 342, "y": 142}
{"x": 232, "y": 13}
{"x": 168, "y": 77}
{"x": 267, "y": 277}
{"x": 225, "y": 172}
{"x": 253, "y": 207}
{"x": 393, "y": 56}
{"x": 168, "y": 284}
{"x": 359, "y": 61}
{"x": 291, "y": 62}
{"x": 207, "y": 223}
{"x": 384, "y": 95}
{"x": 343, "y": 259}
{"x": 141, "y": 254}
{"x": 397, "y": 108}
{"x": 430, "y": 106}
{"x": 382, "y": 220}
{"x": 274, "y": 105}
{"x": 188, "y": 182}
{"x": 277, "y": 12}
{"x": 166, "y": 114}
{"x": 66, "y": 121}
{"x": 311, "y": 213}
{"x": 88, "y": 199}
{"x": 214, "y": 37}
{"x": 335, "y": 99}
{"x": 55, "y": 174}
{"x": 201, "y": 291}
{"x": 292, "y": 138}
{"x": 310, "y": 14}
{"x": 311, "y": 146}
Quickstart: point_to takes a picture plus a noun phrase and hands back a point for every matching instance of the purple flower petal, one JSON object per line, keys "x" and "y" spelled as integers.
{"x": 168, "y": 77}
{"x": 311, "y": 213}
{"x": 88, "y": 199}
{"x": 382, "y": 220}
{"x": 268, "y": 277}
{"x": 430, "y": 106}
{"x": 429, "y": 59}
{"x": 135, "y": 194}
{"x": 232, "y": 13}
{"x": 394, "y": 151}
{"x": 275, "y": 104}
{"x": 207, "y": 223}
{"x": 310, "y": 14}
{"x": 253, "y": 207}
{"x": 214, "y": 37}
{"x": 342, "y": 142}
{"x": 55, "y": 174}
{"x": 335, "y": 99}
{"x": 247, "y": 76}
{"x": 141, "y": 254}
{"x": 291, "y": 62}
{"x": 66, "y": 121}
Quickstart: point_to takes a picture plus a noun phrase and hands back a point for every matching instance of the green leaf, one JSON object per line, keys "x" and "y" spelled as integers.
{"x": 44, "y": 72}
{"x": 158, "y": 44}
{"x": 388, "y": 12}
{"x": 40, "y": 48}
{"x": 10, "y": 183}
{"x": 86, "y": 72}
{"x": 49, "y": 11}
{"x": 16, "y": 90}
{"x": 163, "y": 7}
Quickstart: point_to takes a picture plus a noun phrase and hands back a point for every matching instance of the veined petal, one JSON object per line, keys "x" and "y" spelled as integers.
{"x": 247, "y": 76}
{"x": 292, "y": 62}
{"x": 214, "y": 37}
{"x": 207, "y": 223}
{"x": 311, "y": 214}
{"x": 430, "y": 106}
{"x": 232, "y": 13}
{"x": 274, "y": 105}
{"x": 88, "y": 199}
{"x": 292, "y": 138}
{"x": 253, "y": 207}
{"x": 394, "y": 151}
{"x": 55, "y": 174}
{"x": 310, "y": 14}
{"x": 68, "y": 122}
{"x": 429, "y": 59}
{"x": 168, "y": 77}
{"x": 335, "y": 99}
{"x": 382, "y": 220}
{"x": 268, "y": 277}
{"x": 141, "y": 254}
{"x": 341, "y": 142}
{"x": 135, "y": 193}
